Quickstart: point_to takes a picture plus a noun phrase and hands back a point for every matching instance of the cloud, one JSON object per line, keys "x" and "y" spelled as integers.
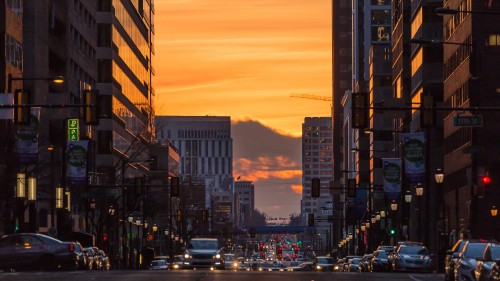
{"x": 272, "y": 161}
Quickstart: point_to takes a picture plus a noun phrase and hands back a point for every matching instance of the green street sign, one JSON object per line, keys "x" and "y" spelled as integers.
{"x": 468, "y": 121}
{"x": 73, "y": 130}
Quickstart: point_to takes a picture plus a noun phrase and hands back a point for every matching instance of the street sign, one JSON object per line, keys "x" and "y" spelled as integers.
{"x": 468, "y": 121}
{"x": 73, "y": 130}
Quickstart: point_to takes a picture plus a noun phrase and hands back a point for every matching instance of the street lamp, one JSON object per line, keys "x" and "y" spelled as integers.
{"x": 408, "y": 196}
{"x": 394, "y": 205}
{"x": 494, "y": 211}
{"x": 56, "y": 79}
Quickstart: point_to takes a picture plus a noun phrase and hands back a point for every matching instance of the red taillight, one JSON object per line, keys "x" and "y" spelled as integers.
{"x": 71, "y": 247}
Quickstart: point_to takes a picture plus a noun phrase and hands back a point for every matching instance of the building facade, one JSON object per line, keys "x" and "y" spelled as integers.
{"x": 246, "y": 192}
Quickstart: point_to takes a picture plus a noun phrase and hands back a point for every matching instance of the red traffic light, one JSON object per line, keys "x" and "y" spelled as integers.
{"x": 105, "y": 237}
{"x": 486, "y": 179}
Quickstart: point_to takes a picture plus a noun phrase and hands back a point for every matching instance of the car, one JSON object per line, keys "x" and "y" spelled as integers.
{"x": 276, "y": 266}
{"x": 345, "y": 264}
{"x": 353, "y": 265}
{"x": 81, "y": 256}
{"x": 203, "y": 253}
{"x": 451, "y": 259}
{"x": 229, "y": 261}
{"x": 105, "y": 263}
{"x": 378, "y": 261}
{"x": 495, "y": 271}
{"x": 337, "y": 267}
{"x": 365, "y": 262}
{"x": 467, "y": 260}
{"x": 158, "y": 265}
{"x": 412, "y": 257}
{"x": 305, "y": 266}
{"x": 491, "y": 253}
{"x": 323, "y": 263}
{"x": 176, "y": 262}
{"x": 36, "y": 251}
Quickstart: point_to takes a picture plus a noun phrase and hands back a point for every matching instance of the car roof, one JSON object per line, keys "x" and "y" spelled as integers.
{"x": 204, "y": 239}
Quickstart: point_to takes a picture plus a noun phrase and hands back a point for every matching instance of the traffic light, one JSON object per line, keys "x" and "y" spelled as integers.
{"x": 22, "y": 113}
{"x": 360, "y": 111}
{"x": 351, "y": 187}
{"x": 315, "y": 187}
{"x": 427, "y": 113}
{"x": 279, "y": 249}
{"x": 392, "y": 231}
{"x": 296, "y": 249}
{"x": 310, "y": 221}
{"x": 90, "y": 103}
{"x": 104, "y": 237}
{"x": 486, "y": 180}
{"x": 174, "y": 187}
{"x": 204, "y": 215}
{"x": 261, "y": 247}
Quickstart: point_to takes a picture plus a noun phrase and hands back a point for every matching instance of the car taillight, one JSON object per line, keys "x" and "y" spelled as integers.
{"x": 71, "y": 247}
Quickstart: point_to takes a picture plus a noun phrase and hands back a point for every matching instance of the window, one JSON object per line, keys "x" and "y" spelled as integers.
{"x": 417, "y": 61}
{"x": 13, "y": 52}
{"x": 416, "y": 23}
{"x": 494, "y": 40}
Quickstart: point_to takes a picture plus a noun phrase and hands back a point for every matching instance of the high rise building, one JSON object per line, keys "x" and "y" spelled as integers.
{"x": 246, "y": 192}
{"x": 316, "y": 161}
{"x": 204, "y": 142}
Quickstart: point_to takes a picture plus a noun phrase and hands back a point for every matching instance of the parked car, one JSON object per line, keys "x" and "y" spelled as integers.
{"x": 105, "y": 263}
{"x": 36, "y": 251}
{"x": 353, "y": 265}
{"x": 94, "y": 259}
{"x": 412, "y": 257}
{"x": 365, "y": 262}
{"x": 323, "y": 263}
{"x": 81, "y": 256}
{"x": 467, "y": 260}
{"x": 337, "y": 267}
{"x": 276, "y": 266}
{"x": 495, "y": 271}
{"x": 378, "y": 262}
{"x": 491, "y": 253}
{"x": 451, "y": 259}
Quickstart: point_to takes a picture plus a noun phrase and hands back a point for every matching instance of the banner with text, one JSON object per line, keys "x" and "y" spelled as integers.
{"x": 414, "y": 157}
{"x": 27, "y": 139}
{"x": 76, "y": 172}
{"x": 391, "y": 169}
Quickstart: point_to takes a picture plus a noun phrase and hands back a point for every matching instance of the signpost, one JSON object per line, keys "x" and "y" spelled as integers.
{"x": 73, "y": 130}
{"x": 468, "y": 121}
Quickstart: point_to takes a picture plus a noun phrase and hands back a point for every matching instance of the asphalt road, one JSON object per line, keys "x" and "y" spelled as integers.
{"x": 206, "y": 275}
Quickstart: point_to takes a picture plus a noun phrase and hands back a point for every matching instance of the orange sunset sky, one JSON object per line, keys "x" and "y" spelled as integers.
{"x": 243, "y": 59}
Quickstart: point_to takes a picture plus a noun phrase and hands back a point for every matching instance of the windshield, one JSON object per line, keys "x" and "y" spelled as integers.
{"x": 229, "y": 257}
{"x": 203, "y": 244}
{"x": 413, "y": 250}
{"x": 475, "y": 250}
{"x": 157, "y": 263}
{"x": 355, "y": 261}
{"x": 325, "y": 260}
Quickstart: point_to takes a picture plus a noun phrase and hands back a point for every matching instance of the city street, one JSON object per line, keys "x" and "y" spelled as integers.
{"x": 205, "y": 275}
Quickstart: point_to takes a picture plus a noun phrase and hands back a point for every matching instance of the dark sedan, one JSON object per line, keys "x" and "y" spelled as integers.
{"x": 305, "y": 266}
{"x": 379, "y": 261}
{"x": 324, "y": 263}
{"x": 36, "y": 251}
{"x": 485, "y": 264}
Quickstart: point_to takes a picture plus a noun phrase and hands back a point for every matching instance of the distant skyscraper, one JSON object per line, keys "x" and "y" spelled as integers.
{"x": 316, "y": 160}
{"x": 204, "y": 142}
{"x": 246, "y": 191}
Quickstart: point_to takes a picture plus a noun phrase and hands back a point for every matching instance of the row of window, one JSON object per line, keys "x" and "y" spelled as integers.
{"x": 84, "y": 14}
{"x": 317, "y": 141}
{"x": 203, "y": 134}
{"x": 196, "y": 165}
{"x": 317, "y": 159}
{"x": 13, "y": 52}
{"x": 82, "y": 44}
{"x": 317, "y": 166}
{"x": 204, "y": 148}
{"x": 322, "y": 172}
{"x": 322, "y": 147}
{"x": 79, "y": 73}
{"x": 457, "y": 140}
{"x": 457, "y": 19}
{"x": 128, "y": 23}
{"x": 317, "y": 128}
{"x": 457, "y": 58}
{"x": 458, "y": 98}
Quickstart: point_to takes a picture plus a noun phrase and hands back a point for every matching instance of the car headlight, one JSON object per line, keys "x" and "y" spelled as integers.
{"x": 176, "y": 266}
{"x": 336, "y": 267}
{"x": 235, "y": 264}
{"x": 217, "y": 256}
{"x": 318, "y": 267}
{"x": 187, "y": 256}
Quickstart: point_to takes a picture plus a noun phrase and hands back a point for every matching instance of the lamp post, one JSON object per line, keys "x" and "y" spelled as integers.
{"x": 419, "y": 191}
{"x": 408, "y": 198}
{"x": 394, "y": 209}
{"x": 494, "y": 211}
{"x": 56, "y": 79}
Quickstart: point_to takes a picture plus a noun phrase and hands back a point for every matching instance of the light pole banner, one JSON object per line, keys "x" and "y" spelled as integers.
{"x": 27, "y": 139}
{"x": 391, "y": 169}
{"x": 414, "y": 156}
{"x": 76, "y": 172}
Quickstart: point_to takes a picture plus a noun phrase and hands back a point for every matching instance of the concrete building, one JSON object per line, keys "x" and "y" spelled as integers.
{"x": 246, "y": 192}
{"x": 470, "y": 56}
{"x": 316, "y": 161}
